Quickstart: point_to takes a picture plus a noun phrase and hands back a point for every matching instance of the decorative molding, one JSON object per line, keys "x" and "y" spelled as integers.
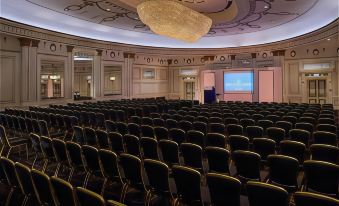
{"x": 24, "y": 41}
{"x": 35, "y": 43}
{"x": 279, "y": 53}
{"x": 99, "y": 52}
{"x": 129, "y": 55}
{"x": 26, "y": 31}
{"x": 69, "y": 48}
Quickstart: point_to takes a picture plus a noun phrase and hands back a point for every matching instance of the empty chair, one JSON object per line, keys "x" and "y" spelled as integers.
{"x": 177, "y": 135}
{"x": 326, "y": 121}
{"x": 200, "y": 126}
{"x": 91, "y": 158}
{"x": 110, "y": 126}
{"x": 158, "y": 178}
{"x": 264, "y": 123}
{"x": 90, "y": 136}
{"x": 247, "y": 165}
{"x": 147, "y": 121}
{"x": 231, "y": 120}
{"x": 102, "y": 137}
{"x": 215, "y": 140}
{"x": 307, "y": 198}
{"x": 35, "y": 140}
{"x": 247, "y": 122}
{"x": 192, "y": 155}
{"x": 214, "y": 119}
{"x": 327, "y": 128}
{"x": 254, "y": 132}
{"x": 185, "y": 125}
{"x": 63, "y": 191}
{"x": 43, "y": 188}
{"x": 23, "y": 174}
{"x": 273, "y": 118}
{"x": 293, "y": 149}
{"x": 238, "y": 142}
{"x": 170, "y": 152}
{"x": 158, "y": 122}
{"x": 134, "y": 129}
{"x": 287, "y": 126}
{"x": 321, "y": 177}
{"x": 234, "y": 129}
{"x": 224, "y": 190}
{"x": 47, "y": 151}
{"x": 264, "y": 147}
{"x": 147, "y": 131}
{"x": 283, "y": 171}
{"x": 196, "y": 137}
{"x": 217, "y": 128}
{"x": 161, "y": 133}
{"x": 88, "y": 198}
{"x": 116, "y": 141}
{"x": 171, "y": 123}
{"x": 149, "y": 147}
{"x": 300, "y": 135}
{"x": 8, "y": 167}
{"x": 257, "y": 117}
{"x": 276, "y": 134}
{"x": 218, "y": 159}
{"x": 74, "y": 158}
{"x": 291, "y": 119}
{"x": 131, "y": 166}
{"x": 132, "y": 144}
{"x": 10, "y": 143}
{"x": 323, "y": 152}
{"x": 201, "y": 119}
{"x": 322, "y": 137}
{"x": 262, "y": 194}
{"x": 121, "y": 128}
{"x": 60, "y": 154}
{"x": 100, "y": 120}
{"x": 110, "y": 170}
{"x": 187, "y": 181}
{"x": 79, "y": 135}
{"x": 305, "y": 126}
{"x": 310, "y": 120}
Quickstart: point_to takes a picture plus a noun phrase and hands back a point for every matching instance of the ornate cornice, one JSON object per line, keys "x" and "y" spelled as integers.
{"x": 26, "y": 31}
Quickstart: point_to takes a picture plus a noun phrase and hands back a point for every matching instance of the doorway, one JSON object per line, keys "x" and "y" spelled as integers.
{"x": 316, "y": 90}
{"x": 83, "y": 76}
{"x": 189, "y": 90}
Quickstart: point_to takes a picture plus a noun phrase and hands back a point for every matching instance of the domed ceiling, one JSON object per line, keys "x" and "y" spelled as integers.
{"x": 235, "y": 22}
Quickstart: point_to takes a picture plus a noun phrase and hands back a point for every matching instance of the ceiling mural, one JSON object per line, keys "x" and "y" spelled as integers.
{"x": 229, "y": 16}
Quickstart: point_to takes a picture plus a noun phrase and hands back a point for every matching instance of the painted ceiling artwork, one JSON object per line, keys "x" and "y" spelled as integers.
{"x": 235, "y": 22}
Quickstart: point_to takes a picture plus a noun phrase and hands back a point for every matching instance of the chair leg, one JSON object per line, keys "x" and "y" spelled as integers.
{"x": 9, "y": 152}
{"x": 57, "y": 169}
{"x": 8, "y": 200}
{"x": 71, "y": 174}
{"x": 35, "y": 159}
{"x": 103, "y": 187}
{"x": 24, "y": 202}
{"x": 88, "y": 175}
{"x": 123, "y": 193}
{"x": 44, "y": 167}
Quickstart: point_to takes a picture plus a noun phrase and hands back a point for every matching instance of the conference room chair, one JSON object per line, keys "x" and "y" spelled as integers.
{"x": 187, "y": 181}
{"x": 223, "y": 189}
{"x": 43, "y": 188}
{"x": 287, "y": 126}
{"x": 170, "y": 152}
{"x": 323, "y": 137}
{"x": 218, "y": 160}
{"x": 158, "y": 122}
{"x": 116, "y": 142}
{"x": 327, "y": 128}
{"x": 149, "y": 148}
{"x": 300, "y": 135}
{"x": 321, "y": 177}
{"x": 160, "y": 133}
{"x": 91, "y": 162}
{"x": 323, "y": 152}
{"x": 64, "y": 193}
{"x": 122, "y": 128}
{"x": 310, "y": 120}
{"x": 132, "y": 144}
{"x": 47, "y": 151}
{"x": 264, "y": 147}
{"x": 192, "y": 155}
{"x": 110, "y": 126}
{"x": 177, "y": 135}
{"x": 90, "y": 136}
{"x": 102, "y": 138}
{"x": 60, "y": 153}
{"x": 8, "y": 167}
{"x": 158, "y": 177}
{"x": 293, "y": 149}
{"x": 215, "y": 140}
{"x": 200, "y": 126}
{"x": 217, "y": 128}
{"x": 275, "y": 133}
{"x": 87, "y": 197}
{"x": 238, "y": 142}
{"x": 74, "y": 158}
{"x": 262, "y": 194}
{"x": 308, "y": 198}
{"x": 147, "y": 131}
{"x": 247, "y": 165}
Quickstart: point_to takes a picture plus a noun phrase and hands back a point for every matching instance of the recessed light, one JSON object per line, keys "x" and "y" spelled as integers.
{"x": 108, "y": 9}
{"x": 66, "y": 9}
{"x": 266, "y": 7}
{"x": 328, "y": 39}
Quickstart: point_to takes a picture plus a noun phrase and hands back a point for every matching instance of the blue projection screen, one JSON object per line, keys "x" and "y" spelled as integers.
{"x": 238, "y": 82}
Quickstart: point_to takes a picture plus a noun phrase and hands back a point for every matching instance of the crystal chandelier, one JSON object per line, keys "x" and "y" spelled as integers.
{"x": 172, "y": 19}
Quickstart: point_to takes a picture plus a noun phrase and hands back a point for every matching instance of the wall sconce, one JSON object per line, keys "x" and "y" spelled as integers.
{"x": 112, "y": 78}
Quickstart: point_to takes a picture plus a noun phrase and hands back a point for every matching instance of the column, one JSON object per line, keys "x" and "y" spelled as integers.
{"x": 278, "y": 58}
{"x": 97, "y": 75}
{"x": 234, "y": 63}
{"x": 69, "y": 73}
{"x": 25, "y": 43}
{"x": 128, "y": 74}
{"x": 170, "y": 77}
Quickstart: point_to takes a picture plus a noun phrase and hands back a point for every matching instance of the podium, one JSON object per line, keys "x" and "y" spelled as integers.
{"x": 209, "y": 95}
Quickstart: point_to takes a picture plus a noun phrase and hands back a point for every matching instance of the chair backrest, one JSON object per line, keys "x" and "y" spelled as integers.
{"x": 8, "y": 167}
{"x": 132, "y": 144}
{"x": 161, "y": 133}
{"x": 323, "y": 137}
{"x": 192, "y": 155}
{"x": 283, "y": 170}
{"x": 109, "y": 165}
{"x": 254, "y": 132}
{"x": 234, "y": 129}
{"x": 196, "y": 137}
{"x": 300, "y": 135}
{"x": 224, "y": 190}
{"x": 147, "y": 131}
{"x": 177, "y": 135}
{"x": 262, "y": 194}
{"x": 217, "y": 128}
{"x": 131, "y": 166}
{"x": 149, "y": 147}
{"x": 200, "y": 126}
{"x": 187, "y": 181}
{"x": 293, "y": 149}
{"x": 321, "y": 176}
{"x": 64, "y": 192}
{"x": 215, "y": 140}
{"x": 116, "y": 142}
{"x": 47, "y": 147}
{"x": 43, "y": 128}
{"x": 158, "y": 175}
{"x": 238, "y": 142}
{"x": 43, "y": 188}
{"x": 102, "y": 137}
{"x": 110, "y": 126}
{"x": 74, "y": 153}
{"x": 170, "y": 151}
{"x": 275, "y": 133}
{"x": 307, "y": 199}
{"x": 90, "y": 136}
{"x": 121, "y": 128}
{"x": 59, "y": 148}
{"x": 88, "y": 198}
{"x": 264, "y": 147}
{"x": 79, "y": 135}
{"x": 327, "y": 128}
{"x": 91, "y": 157}
{"x": 247, "y": 164}
{"x": 23, "y": 174}
{"x": 323, "y": 152}
{"x": 218, "y": 159}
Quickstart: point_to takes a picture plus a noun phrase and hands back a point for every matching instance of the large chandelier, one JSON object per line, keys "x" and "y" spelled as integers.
{"x": 172, "y": 19}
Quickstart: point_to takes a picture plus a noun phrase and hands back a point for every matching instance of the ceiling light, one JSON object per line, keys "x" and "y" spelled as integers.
{"x": 174, "y": 20}
{"x": 266, "y": 7}
{"x": 328, "y": 39}
{"x": 108, "y": 9}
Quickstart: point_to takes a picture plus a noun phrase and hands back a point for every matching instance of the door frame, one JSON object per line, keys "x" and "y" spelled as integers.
{"x": 305, "y": 79}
